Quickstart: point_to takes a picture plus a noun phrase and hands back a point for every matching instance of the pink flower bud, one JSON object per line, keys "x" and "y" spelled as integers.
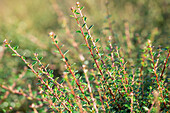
{"x": 77, "y": 3}
{"x": 52, "y": 34}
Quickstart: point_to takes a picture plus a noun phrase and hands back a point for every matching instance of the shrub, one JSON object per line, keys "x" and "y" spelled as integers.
{"x": 110, "y": 85}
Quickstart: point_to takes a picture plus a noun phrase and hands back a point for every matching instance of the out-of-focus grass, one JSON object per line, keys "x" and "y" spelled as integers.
{"x": 28, "y": 22}
{"x": 23, "y": 20}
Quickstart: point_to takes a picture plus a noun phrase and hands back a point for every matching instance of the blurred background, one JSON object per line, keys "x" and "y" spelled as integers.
{"x": 27, "y": 24}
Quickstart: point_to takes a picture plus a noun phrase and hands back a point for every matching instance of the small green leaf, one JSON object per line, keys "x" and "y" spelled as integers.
{"x": 34, "y": 59}
{"x": 29, "y": 70}
{"x": 4, "y": 110}
{"x": 16, "y": 47}
{"x": 83, "y": 45}
{"x": 24, "y": 58}
{"x": 54, "y": 100}
{"x": 83, "y": 25}
{"x": 40, "y": 58}
{"x": 93, "y": 47}
{"x": 55, "y": 36}
{"x": 152, "y": 65}
{"x": 90, "y": 27}
{"x": 56, "y": 42}
{"x": 97, "y": 86}
{"x": 47, "y": 66}
{"x": 73, "y": 64}
{"x": 14, "y": 55}
{"x": 56, "y": 51}
{"x": 85, "y": 18}
{"x": 126, "y": 105}
{"x": 51, "y": 75}
{"x": 97, "y": 40}
{"x": 62, "y": 46}
{"x": 78, "y": 31}
{"x": 146, "y": 108}
{"x": 66, "y": 58}
{"x": 75, "y": 10}
{"x": 121, "y": 60}
{"x": 51, "y": 71}
{"x": 85, "y": 33}
{"x": 6, "y": 45}
{"x": 107, "y": 48}
{"x": 66, "y": 52}
{"x": 34, "y": 63}
{"x": 81, "y": 8}
{"x": 87, "y": 36}
{"x": 77, "y": 13}
{"x": 71, "y": 15}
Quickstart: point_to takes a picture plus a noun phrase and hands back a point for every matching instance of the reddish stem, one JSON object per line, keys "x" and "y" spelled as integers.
{"x": 161, "y": 76}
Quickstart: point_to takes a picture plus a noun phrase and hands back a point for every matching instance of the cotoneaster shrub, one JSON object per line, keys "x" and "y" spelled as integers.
{"x": 109, "y": 85}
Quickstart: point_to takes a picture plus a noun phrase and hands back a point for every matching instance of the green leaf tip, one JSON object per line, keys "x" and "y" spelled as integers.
{"x": 78, "y": 31}
{"x": 16, "y": 47}
{"x": 90, "y": 27}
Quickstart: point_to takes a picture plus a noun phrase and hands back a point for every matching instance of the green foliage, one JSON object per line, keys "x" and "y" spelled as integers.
{"x": 133, "y": 78}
